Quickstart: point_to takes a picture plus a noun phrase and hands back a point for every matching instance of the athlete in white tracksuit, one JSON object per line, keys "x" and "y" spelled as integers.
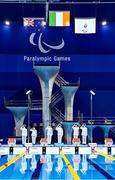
{"x": 75, "y": 128}
{"x": 84, "y": 133}
{"x": 49, "y": 133}
{"x": 33, "y": 135}
{"x": 59, "y": 130}
{"x": 24, "y": 134}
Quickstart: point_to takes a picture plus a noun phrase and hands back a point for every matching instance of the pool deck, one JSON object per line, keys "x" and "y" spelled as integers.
{"x": 55, "y": 149}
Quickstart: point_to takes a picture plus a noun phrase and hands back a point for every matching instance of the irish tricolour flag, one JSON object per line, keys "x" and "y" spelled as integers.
{"x": 59, "y": 18}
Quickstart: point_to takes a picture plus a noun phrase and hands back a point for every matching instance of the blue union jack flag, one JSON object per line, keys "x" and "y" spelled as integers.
{"x": 33, "y": 23}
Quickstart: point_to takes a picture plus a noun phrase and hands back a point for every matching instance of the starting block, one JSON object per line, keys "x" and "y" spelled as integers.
{"x": 76, "y": 141}
{"x": 11, "y": 141}
{"x": 43, "y": 141}
{"x": 108, "y": 141}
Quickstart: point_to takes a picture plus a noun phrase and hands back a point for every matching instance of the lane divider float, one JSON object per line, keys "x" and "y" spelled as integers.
{"x": 71, "y": 169}
{"x": 105, "y": 155}
{"x": 13, "y": 160}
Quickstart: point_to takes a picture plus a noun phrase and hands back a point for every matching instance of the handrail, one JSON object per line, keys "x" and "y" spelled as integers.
{"x": 62, "y": 80}
{"x": 96, "y": 117}
{"x": 59, "y": 98}
{"x": 55, "y": 94}
{"x": 22, "y": 102}
{"x": 95, "y": 121}
{"x": 58, "y": 114}
{"x": 56, "y": 121}
{"x": 56, "y": 97}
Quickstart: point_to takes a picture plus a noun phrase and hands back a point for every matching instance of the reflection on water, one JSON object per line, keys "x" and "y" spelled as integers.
{"x": 23, "y": 165}
{"x": 54, "y": 167}
{"x": 49, "y": 163}
{"x": 84, "y": 164}
{"x": 33, "y": 163}
{"x": 59, "y": 166}
{"x": 10, "y": 156}
{"x": 76, "y": 161}
{"x": 28, "y": 165}
{"x": 80, "y": 163}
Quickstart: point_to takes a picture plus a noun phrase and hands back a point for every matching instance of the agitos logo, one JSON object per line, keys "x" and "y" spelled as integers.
{"x": 43, "y": 46}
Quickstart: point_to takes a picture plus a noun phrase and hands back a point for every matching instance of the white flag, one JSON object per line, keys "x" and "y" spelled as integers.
{"x": 85, "y": 25}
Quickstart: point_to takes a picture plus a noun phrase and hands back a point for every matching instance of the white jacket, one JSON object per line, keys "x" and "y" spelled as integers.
{"x": 84, "y": 131}
{"x": 59, "y": 130}
{"x": 49, "y": 131}
{"x": 34, "y": 132}
{"x": 24, "y": 131}
{"x": 75, "y": 130}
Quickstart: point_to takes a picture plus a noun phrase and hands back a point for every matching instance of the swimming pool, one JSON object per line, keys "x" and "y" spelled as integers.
{"x": 53, "y": 167}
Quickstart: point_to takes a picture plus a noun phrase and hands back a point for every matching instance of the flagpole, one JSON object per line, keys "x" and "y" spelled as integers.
{"x": 46, "y": 11}
{"x": 92, "y": 93}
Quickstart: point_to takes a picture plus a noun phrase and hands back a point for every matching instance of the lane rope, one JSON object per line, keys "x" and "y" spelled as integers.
{"x": 13, "y": 160}
{"x": 105, "y": 155}
{"x": 71, "y": 169}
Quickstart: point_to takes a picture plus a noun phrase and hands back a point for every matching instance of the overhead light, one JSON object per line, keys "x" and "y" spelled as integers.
{"x": 7, "y": 23}
{"x": 104, "y": 23}
{"x": 29, "y": 92}
{"x": 92, "y": 92}
{"x": 43, "y": 23}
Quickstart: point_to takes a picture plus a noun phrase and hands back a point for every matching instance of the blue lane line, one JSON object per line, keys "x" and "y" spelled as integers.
{"x": 102, "y": 171}
{"x": 36, "y": 173}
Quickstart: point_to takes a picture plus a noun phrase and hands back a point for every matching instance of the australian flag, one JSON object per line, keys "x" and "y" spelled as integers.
{"x": 34, "y": 23}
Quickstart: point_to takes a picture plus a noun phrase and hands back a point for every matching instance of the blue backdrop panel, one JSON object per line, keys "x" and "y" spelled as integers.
{"x": 14, "y": 39}
{"x": 69, "y": 63}
{"x": 90, "y": 57}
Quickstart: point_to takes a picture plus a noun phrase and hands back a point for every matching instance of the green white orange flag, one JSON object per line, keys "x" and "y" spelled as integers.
{"x": 59, "y": 18}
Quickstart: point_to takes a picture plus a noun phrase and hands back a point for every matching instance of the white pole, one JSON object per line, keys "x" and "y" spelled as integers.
{"x": 92, "y": 93}
{"x": 28, "y": 93}
{"x": 91, "y": 120}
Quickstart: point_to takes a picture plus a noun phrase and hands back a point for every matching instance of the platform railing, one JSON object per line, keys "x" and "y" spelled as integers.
{"x": 56, "y": 97}
{"x": 113, "y": 130}
{"x": 60, "y": 81}
{"x": 60, "y": 1}
{"x": 57, "y": 115}
{"x": 35, "y": 104}
{"x": 95, "y": 120}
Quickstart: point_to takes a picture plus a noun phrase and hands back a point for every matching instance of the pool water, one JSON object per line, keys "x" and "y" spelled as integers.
{"x": 53, "y": 167}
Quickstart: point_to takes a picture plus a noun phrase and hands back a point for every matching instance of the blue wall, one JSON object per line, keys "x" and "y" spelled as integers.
{"x": 90, "y": 57}
{"x": 14, "y": 39}
{"x": 97, "y": 72}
